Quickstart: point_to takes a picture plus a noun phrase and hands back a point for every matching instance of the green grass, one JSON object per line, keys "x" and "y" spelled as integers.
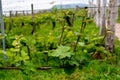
{"x": 94, "y": 71}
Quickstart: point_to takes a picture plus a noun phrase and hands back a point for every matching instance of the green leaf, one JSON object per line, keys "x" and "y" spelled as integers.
{"x": 0, "y": 36}
{"x": 100, "y": 49}
{"x": 97, "y": 38}
{"x": 14, "y": 50}
{"x": 18, "y": 58}
{"x": 85, "y": 51}
{"x": 81, "y": 44}
{"x": 73, "y": 62}
{"x": 15, "y": 43}
{"x": 25, "y": 58}
{"x": 1, "y": 51}
{"x": 51, "y": 39}
{"x": 23, "y": 53}
{"x": 69, "y": 34}
{"x": 62, "y": 52}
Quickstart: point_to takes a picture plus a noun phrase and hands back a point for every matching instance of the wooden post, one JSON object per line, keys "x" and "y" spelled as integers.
{"x": 73, "y": 18}
{"x": 3, "y": 32}
{"x": 16, "y": 14}
{"x": 10, "y": 13}
{"x": 10, "y": 26}
{"x": 26, "y": 12}
{"x": 32, "y": 12}
{"x": 32, "y": 9}
{"x": 23, "y": 13}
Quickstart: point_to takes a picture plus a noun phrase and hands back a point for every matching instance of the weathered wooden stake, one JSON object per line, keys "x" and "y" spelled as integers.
{"x": 33, "y": 25}
{"x": 23, "y": 13}
{"x": 10, "y": 27}
{"x": 16, "y": 14}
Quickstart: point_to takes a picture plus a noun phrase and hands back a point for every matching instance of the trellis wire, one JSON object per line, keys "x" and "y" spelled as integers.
{"x": 39, "y": 10}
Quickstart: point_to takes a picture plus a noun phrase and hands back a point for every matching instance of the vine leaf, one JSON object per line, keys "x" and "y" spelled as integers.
{"x": 62, "y": 52}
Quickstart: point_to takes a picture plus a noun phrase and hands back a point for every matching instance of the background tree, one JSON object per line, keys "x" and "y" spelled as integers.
{"x": 98, "y": 14}
{"x": 91, "y": 10}
{"x": 103, "y": 18}
{"x": 110, "y": 35}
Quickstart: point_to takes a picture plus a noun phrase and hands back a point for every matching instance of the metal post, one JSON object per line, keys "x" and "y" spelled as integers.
{"x": 2, "y": 30}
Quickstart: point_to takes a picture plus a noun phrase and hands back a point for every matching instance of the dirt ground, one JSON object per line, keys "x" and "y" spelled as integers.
{"x": 117, "y": 29}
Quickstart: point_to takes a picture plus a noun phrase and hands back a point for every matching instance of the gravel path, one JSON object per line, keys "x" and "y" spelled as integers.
{"x": 117, "y": 28}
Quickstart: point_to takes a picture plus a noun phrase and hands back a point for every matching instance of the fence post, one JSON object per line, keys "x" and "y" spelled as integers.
{"x": 27, "y": 13}
{"x": 32, "y": 12}
{"x": 10, "y": 27}
{"x": 3, "y": 32}
{"x": 23, "y": 13}
{"x": 16, "y": 14}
